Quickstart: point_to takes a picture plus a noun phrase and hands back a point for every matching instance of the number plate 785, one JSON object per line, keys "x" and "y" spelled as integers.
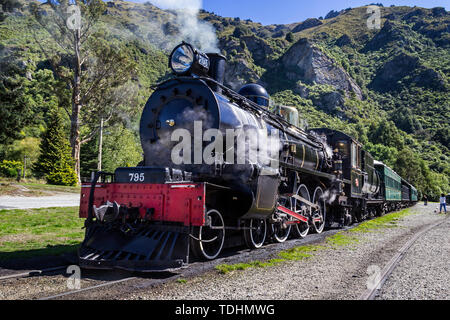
{"x": 137, "y": 177}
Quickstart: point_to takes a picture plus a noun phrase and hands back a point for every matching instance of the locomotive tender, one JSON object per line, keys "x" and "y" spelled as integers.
{"x": 155, "y": 215}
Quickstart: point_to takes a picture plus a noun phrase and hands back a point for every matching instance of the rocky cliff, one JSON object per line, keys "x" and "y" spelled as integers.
{"x": 307, "y": 63}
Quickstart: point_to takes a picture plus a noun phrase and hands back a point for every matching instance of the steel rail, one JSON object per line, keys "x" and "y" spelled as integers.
{"x": 32, "y": 273}
{"x": 87, "y": 289}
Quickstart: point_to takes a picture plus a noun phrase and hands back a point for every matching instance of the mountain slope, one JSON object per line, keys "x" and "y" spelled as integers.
{"x": 388, "y": 87}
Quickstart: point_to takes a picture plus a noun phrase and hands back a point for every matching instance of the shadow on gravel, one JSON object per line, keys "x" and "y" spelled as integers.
{"x": 39, "y": 258}
{"x": 65, "y": 255}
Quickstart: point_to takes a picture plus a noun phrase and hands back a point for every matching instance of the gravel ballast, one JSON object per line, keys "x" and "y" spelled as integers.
{"x": 424, "y": 272}
{"x": 333, "y": 273}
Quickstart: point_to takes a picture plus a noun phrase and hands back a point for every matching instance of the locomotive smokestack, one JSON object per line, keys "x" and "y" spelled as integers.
{"x": 217, "y": 69}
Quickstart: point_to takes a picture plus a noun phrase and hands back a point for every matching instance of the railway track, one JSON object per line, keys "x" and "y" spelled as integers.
{"x": 32, "y": 273}
{"x": 233, "y": 256}
{"x": 65, "y": 294}
{"x": 197, "y": 268}
{"x": 371, "y": 293}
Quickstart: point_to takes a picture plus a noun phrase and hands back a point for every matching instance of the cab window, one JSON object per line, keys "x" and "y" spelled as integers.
{"x": 354, "y": 156}
{"x": 290, "y": 114}
{"x": 342, "y": 147}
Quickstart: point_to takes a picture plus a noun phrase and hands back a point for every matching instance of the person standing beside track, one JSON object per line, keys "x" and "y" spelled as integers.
{"x": 442, "y": 202}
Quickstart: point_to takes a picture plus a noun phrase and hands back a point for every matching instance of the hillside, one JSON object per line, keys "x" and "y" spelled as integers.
{"x": 388, "y": 87}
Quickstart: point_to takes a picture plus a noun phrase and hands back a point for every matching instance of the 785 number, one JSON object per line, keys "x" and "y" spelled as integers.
{"x": 137, "y": 177}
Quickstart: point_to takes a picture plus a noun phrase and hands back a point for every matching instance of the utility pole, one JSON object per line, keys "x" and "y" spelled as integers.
{"x": 100, "y": 146}
{"x": 24, "y": 165}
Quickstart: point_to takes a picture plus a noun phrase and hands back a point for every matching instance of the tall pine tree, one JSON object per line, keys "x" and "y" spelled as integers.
{"x": 55, "y": 162}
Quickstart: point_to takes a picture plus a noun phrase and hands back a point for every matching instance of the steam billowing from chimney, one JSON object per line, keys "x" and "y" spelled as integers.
{"x": 199, "y": 33}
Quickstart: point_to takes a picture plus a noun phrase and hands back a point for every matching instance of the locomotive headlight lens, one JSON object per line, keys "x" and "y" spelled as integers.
{"x": 185, "y": 60}
{"x": 182, "y": 58}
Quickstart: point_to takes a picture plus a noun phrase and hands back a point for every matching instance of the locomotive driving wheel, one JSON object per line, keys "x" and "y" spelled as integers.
{"x": 255, "y": 233}
{"x": 301, "y": 229}
{"x": 207, "y": 241}
{"x": 280, "y": 229}
{"x": 318, "y": 215}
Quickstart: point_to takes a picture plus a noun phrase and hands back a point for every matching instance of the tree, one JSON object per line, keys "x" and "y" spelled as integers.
{"x": 92, "y": 67}
{"x": 25, "y": 97}
{"x": 89, "y": 158}
{"x": 55, "y": 162}
{"x": 121, "y": 149}
{"x": 15, "y": 107}
{"x": 241, "y": 31}
{"x": 386, "y": 133}
{"x": 290, "y": 37}
{"x": 388, "y": 155}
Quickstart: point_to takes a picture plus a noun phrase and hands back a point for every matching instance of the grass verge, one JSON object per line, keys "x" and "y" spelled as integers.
{"x": 33, "y": 189}
{"x": 35, "y": 232}
{"x": 340, "y": 239}
{"x": 297, "y": 253}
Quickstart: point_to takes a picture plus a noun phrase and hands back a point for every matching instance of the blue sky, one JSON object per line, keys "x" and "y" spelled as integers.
{"x": 289, "y": 11}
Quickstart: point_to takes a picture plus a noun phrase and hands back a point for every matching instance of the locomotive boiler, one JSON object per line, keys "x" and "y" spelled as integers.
{"x": 218, "y": 165}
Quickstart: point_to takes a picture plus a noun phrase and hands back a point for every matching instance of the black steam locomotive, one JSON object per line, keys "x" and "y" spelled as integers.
{"x": 220, "y": 168}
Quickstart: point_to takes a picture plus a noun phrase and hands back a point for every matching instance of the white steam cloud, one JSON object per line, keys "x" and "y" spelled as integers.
{"x": 188, "y": 27}
{"x": 194, "y": 5}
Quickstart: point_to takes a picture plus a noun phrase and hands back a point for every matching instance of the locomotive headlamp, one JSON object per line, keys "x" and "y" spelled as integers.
{"x": 186, "y": 60}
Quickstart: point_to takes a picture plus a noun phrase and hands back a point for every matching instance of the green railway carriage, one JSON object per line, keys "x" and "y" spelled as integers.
{"x": 409, "y": 193}
{"x": 391, "y": 182}
{"x": 414, "y": 194}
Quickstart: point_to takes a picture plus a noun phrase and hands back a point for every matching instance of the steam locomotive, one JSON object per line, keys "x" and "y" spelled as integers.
{"x": 210, "y": 193}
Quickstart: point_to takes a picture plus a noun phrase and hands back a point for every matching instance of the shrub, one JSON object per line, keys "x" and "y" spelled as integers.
{"x": 10, "y": 168}
{"x": 62, "y": 177}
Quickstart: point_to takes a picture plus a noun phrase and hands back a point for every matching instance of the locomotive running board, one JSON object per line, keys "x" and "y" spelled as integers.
{"x": 153, "y": 248}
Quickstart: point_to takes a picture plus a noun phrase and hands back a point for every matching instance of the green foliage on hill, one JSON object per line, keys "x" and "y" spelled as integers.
{"x": 401, "y": 69}
{"x": 403, "y": 72}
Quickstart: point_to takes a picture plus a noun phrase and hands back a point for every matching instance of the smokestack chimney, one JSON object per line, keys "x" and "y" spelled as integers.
{"x": 216, "y": 69}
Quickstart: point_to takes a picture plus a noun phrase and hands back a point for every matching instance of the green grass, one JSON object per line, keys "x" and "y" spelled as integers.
{"x": 11, "y": 187}
{"x": 35, "y": 232}
{"x": 182, "y": 281}
{"x": 340, "y": 239}
{"x": 225, "y": 268}
{"x": 49, "y": 187}
{"x": 352, "y": 236}
{"x": 297, "y": 253}
{"x": 386, "y": 221}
